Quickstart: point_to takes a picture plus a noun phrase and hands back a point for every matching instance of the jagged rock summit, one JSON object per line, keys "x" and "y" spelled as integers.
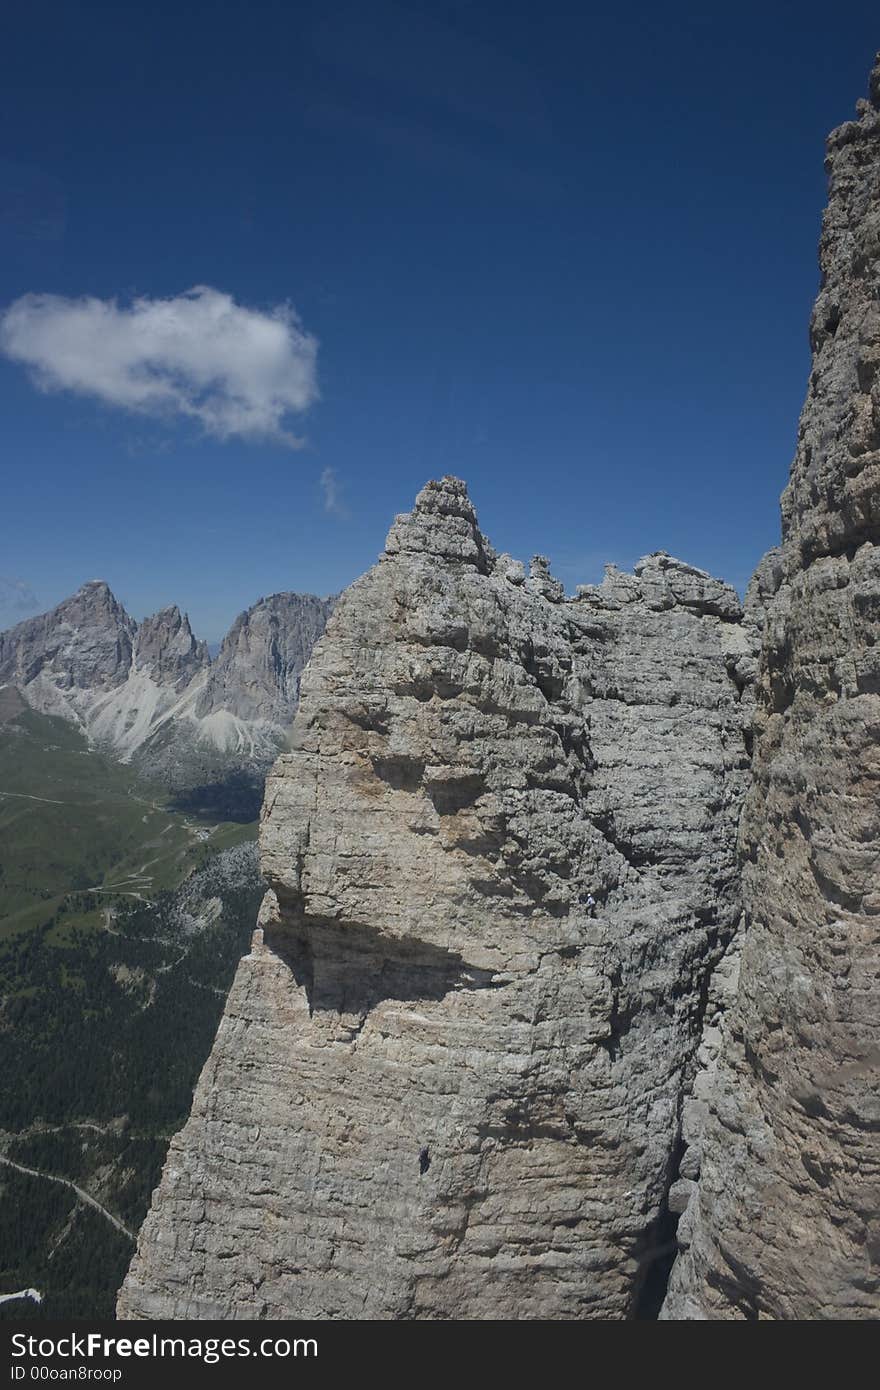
{"x": 501, "y": 858}
{"x": 148, "y": 692}
{"x": 84, "y": 644}
{"x": 166, "y": 649}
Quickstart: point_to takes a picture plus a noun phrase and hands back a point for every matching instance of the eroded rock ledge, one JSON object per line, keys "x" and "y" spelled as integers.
{"x": 474, "y": 756}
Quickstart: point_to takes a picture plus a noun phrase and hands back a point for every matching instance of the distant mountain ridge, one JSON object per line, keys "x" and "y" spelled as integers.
{"x": 150, "y": 692}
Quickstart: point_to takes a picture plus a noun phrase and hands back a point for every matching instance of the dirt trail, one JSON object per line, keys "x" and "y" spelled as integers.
{"x": 80, "y": 1192}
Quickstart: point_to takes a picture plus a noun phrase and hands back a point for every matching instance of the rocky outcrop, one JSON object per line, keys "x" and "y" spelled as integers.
{"x": 149, "y": 692}
{"x": 501, "y": 858}
{"x": 784, "y": 1220}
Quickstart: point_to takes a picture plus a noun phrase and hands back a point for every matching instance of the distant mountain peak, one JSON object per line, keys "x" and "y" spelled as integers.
{"x": 150, "y": 690}
{"x": 167, "y": 648}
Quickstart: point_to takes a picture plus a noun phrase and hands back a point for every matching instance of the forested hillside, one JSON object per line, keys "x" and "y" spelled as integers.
{"x": 121, "y": 921}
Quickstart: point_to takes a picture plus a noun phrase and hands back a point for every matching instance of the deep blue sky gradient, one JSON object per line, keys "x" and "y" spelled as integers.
{"x": 565, "y": 251}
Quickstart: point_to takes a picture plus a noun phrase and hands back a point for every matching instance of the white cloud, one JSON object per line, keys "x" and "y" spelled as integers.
{"x": 332, "y": 490}
{"x": 237, "y": 371}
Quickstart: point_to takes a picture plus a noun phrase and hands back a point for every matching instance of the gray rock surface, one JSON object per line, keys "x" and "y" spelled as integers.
{"x": 257, "y": 670}
{"x": 445, "y": 1083}
{"x": 784, "y": 1122}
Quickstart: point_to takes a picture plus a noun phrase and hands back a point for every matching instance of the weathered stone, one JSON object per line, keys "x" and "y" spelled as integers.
{"x": 445, "y": 1084}
{"x": 680, "y": 1194}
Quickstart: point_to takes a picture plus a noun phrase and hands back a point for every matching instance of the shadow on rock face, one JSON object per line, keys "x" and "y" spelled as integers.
{"x": 350, "y": 969}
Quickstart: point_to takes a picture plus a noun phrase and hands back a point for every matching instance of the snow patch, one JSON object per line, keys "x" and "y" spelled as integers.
{"x": 33, "y": 1294}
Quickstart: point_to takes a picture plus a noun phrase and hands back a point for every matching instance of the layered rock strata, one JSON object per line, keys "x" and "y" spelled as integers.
{"x": 501, "y": 855}
{"x": 781, "y": 1193}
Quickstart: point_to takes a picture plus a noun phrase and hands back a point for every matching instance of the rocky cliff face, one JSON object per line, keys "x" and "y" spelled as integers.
{"x": 447, "y": 1083}
{"x": 256, "y": 674}
{"x": 149, "y": 692}
{"x": 783, "y": 1221}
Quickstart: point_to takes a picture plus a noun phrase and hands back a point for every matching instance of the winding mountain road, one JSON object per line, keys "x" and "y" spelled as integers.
{"x": 80, "y": 1192}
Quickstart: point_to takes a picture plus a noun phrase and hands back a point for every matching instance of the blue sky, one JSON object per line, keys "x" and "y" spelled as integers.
{"x": 566, "y": 251}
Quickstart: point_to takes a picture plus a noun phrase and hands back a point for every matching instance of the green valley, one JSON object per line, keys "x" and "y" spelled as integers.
{"x": 121, "y": 922}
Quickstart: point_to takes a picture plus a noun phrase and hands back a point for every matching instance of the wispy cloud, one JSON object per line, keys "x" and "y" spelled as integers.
{"x": 237, "y": 371}
{"x": 17, "y": 601}
{"x": 332, "y": 491}
{"x": 33, "y": 207}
